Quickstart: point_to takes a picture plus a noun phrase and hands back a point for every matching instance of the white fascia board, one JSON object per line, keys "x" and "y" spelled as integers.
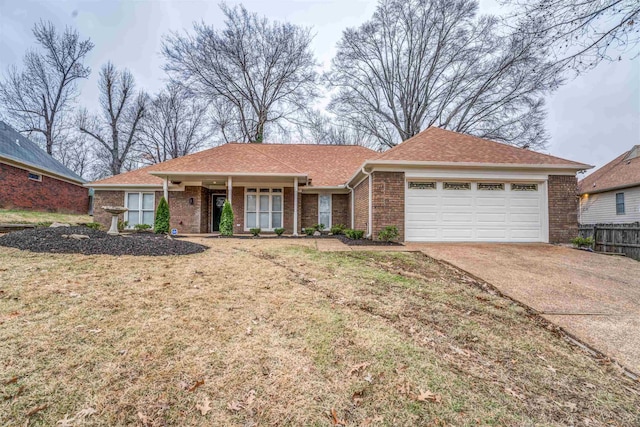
{"x": 477, "y": 174}
{"x": 234, "y": 174}
{"x": 41, "y": 171}
{"x": 327, "y": 189}
{"x": 608, "y": 189}
{"x": 123, "y": 187}
{"x": 419, "y": 164}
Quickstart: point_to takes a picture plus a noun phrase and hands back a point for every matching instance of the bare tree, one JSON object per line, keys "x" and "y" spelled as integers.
{"x": 581, "y": 34}
{"x": 37, "y": 98}
{"x": 256, "y": 73}
{"x": 74, "y": 151}
{"x": 420, "y": 63}
{"x": 317, "y": 127}
{"x": 175, "y": 125}
{"x": 118, "y": 130}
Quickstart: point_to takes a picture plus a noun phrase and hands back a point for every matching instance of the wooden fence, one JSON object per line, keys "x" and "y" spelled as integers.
{"x": 616, "y": 238}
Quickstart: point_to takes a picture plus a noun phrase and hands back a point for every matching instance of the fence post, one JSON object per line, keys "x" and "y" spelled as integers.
{"x": 595, "y": 237}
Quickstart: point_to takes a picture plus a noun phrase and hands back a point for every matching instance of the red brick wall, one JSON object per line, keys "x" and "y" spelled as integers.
{"x": 388, "y": 202}
{"x": 340, "y": 210}
{"x": 106, "y": 198}
{"x": 186, "y": 217}
{"x": 563, "y": 208}
{"x": 17, "y": 191}
{"x": 309, "y": 210}
{"x": 237, "y": 202}
{"x": 361, "y": 194}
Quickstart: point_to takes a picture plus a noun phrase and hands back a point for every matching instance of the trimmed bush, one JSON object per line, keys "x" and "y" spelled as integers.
{"x": 93, "y": 225}
{"x": 354, "y": 234}
{"x": 319, "y": 227}
{"x": 226, "y": 219}
{"x": 162, "y": 217}
{"x": 389, "y": 233}
{"x": 142, "y": 227}
{"x": 255, "y": 231}
{"x": 309, "y": 231}
{"x": 122, "y": 225}
{"x": 582, "y": 242}
{"x": 279, "y": 231}
{"x": 338, "y": 229}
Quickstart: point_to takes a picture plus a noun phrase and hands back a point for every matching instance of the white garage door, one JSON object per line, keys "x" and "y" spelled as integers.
{"x": 467, "y": 211}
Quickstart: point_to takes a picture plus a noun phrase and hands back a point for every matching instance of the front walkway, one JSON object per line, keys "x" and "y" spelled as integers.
{"x": 594, "y": 297}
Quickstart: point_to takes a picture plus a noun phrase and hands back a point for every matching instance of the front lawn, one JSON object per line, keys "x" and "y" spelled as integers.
{"x": 12, "y": 216}
{"x": 273, "y": 332}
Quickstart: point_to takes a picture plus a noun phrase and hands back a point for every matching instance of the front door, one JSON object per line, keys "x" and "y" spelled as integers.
{"x": 218, "y": 203}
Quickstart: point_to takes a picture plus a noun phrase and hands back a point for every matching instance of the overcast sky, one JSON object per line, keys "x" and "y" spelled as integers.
{"x": 592, "y": 119}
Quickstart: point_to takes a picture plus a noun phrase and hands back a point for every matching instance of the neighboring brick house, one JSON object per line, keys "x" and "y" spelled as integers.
{"x": 31, "y": 179}
{"x": 437, "y": 186}
{"x": 611, "y": 195}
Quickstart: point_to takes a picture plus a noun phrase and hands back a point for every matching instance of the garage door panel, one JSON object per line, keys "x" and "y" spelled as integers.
{"x": 525, "y": 234}
{"x": 491, "y": 233}
{"x": 456, "y": 201}
{"x": 491, "y": 202}
{"x": 457, "y": 233}
{"x": 418, "y": 217}
{"x": 491, "y": 217}
{"x": 424, "y": 234}
{"x": 457, "y": 217}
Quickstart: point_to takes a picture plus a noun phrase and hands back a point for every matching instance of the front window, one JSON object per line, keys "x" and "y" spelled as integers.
{"x": 619, "y": 203}
{"x": 141, "y": 208}
{"x": 324, "y": 210}
{"x": 264, "y": 208}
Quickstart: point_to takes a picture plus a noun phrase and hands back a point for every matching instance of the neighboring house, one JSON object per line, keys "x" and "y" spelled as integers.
{"x": 437, "y": 186}
{"x": 31, "y": 179}
{"x": 612, "y": 193}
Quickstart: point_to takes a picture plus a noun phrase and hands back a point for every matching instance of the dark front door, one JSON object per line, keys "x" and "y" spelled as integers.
{"x": 218, "y": 203}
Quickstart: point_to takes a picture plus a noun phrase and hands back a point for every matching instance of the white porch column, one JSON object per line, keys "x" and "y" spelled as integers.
{"x": 229, "y": 190}
{"x": 295, "y": 206}
{"x": 165, "y": 189}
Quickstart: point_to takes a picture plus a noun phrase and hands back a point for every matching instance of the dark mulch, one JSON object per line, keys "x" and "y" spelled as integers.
{"x": 366, "y": 242}
{"x": 51, "y": 240}
{"x": 271, "y": 236}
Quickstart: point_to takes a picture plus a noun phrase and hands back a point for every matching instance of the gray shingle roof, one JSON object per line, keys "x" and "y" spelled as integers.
{"x": 14, "y": 146}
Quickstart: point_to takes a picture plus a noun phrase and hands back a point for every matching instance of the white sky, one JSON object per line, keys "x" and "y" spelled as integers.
{"x": 592, "y": 119}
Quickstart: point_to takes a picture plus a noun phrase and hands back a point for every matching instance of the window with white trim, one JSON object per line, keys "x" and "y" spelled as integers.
{"x": 619, "y": 203}
{"x": 35, "y": 176}
{"x": 324, "y": 210}
{"x": 141, "y": 208}
{"x": 263, "y": 208}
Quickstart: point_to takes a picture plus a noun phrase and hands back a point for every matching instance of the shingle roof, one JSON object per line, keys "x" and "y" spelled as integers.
{"x": 440, "y": 145}
{"x": 326, "y": 165}
{"x": 623, "y": 171}
{"x": 14, "y": 146}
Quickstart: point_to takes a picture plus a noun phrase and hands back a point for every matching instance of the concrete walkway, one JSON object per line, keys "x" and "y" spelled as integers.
{"x": 594, "y": 297}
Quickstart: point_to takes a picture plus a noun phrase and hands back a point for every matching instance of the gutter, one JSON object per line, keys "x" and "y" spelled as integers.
{"x": 353, "y": 204}
{"x": 605, "y": 190}
{"x": 370, "y": 219}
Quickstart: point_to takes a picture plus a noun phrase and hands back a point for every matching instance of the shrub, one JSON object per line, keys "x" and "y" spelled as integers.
{"x": 309, "y": 231}
{"x": 338, "y": 229}
{"x": 94, "y": 225}
{"x": 582, "y": 242}
{"x": 319, "y": 227}
{"x": 354, "y": 234}
{"x": 226, "y": 219}
{"x": 44, "y": 224}
{"x": 162, "y": 217}
{"x": 255, "y": 231}
{"x": 142, "y": 227}
{"x": 122, "y": 225}
{"x": 389, "y": 233}
{"x": 279, "y": 231}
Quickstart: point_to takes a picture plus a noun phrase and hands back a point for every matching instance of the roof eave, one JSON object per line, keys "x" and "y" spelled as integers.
{"x": 169, "y": 173}
{"x": 116, "y": 185}
{"x": 617, "y": 187}
{"x": 35, "y": 168}
{"x": 569, "y": 166}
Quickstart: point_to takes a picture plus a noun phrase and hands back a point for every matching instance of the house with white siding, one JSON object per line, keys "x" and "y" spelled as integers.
{"x": 611, "y": 194}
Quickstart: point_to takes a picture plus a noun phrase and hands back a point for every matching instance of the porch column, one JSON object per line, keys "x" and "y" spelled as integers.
{"x": 295, "y": 206}
{"x": 229, "y": 190}
{"x": 165, "y": 188}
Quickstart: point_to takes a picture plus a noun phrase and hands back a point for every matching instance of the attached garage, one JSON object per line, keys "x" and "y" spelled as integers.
{"x": 475, "y": 211}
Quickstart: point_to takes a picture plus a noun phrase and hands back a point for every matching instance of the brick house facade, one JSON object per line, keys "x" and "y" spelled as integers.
{"x": 563, "y": 208}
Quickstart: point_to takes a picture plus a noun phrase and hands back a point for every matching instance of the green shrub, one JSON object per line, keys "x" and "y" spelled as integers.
{"x": 122, "y": 225}
{"x": 319, "y": 227}
{"x": 142, "y": 227}
{"x": 354, "y": 234}
{"x": 44, "y": 224}
{"x": 226, "y": 219}
{"x": 389, "y": 233}
{"x": 162, "y": 217}
{"x": 338, "y": 229}
{"x": 279, "y": 231}
{"x": 255, "y": 231}
{"x": 309, "y": 231}
{"x": 94, "y": 225}
{"x": 582, "y": 242}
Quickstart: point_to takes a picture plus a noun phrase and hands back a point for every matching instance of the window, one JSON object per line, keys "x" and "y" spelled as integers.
{"x": 619, "y": 203}
{"x": 263, "y": 208}
{"x": 324, "y": 210}
{"x": 35, "y": 177}
{"x": 524, "y": 187}
{"x": 141, "y": 208}
{"x": 483, "y": 186}
{"x": 457, "y": 186}
{"x": 422, "y": 185}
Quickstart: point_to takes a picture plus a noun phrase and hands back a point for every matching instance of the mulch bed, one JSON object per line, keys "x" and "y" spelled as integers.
{"x": 50, "y": 240}
{"x": 366, "y": 242}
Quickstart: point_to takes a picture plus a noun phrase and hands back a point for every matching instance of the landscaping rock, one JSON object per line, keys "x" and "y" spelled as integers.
{"x": 78, "y": 236}
{"x": 59, "y": 224}
{"x": 317, "y": 233}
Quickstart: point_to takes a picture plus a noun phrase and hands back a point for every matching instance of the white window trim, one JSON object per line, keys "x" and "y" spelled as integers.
{"x": 327, "y": 226}
{"x": 140, "y": 210}
{"x": 34, "y": 173}
{"x": 271, "y": 211}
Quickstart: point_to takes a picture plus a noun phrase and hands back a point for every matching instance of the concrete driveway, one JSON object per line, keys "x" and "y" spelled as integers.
{"x": 594, "y": 297}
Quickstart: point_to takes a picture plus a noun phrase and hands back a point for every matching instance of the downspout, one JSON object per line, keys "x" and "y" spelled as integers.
{"x": 353, "y": 205}
{"x": 370, "y": 221}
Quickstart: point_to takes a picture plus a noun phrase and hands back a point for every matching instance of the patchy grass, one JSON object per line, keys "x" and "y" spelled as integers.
{"x": 274, "y": 333}
{"x": 10, "y": 216}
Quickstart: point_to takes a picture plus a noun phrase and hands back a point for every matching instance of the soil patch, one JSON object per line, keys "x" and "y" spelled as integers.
{"x": 366, "y": 242}
{"x": 51, "y": 240}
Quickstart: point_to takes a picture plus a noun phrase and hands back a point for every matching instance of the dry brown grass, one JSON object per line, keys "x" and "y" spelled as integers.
{"x": 272, "y": 333}
{"x": 11, "y": 216}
